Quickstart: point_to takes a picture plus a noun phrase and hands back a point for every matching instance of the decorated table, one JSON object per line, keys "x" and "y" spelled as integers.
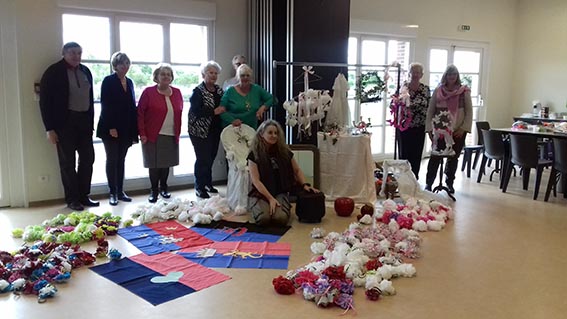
{"x": 346, "y": 167}
{"x": 537, "y": 120}
{"x": 540, "y": 134}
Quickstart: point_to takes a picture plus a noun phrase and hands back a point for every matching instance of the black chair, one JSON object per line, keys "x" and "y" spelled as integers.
{"x": 477, "y": 149}
{"x": 494, "y": 148}
{"x": 559, "y": 168}
{"x": 523, "y": 150}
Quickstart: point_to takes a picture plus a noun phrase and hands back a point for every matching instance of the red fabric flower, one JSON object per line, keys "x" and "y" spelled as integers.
{"x": 386, "y": 216}
{"x": 283, "y": 286}
{"x": 373, "y": 264}
{"x": 373, "y": 293}
{"x": 404, "y": 221}
{"x": 305, "y": 277}
{"x": 6, "y": 257}
{"x": 335, "y": 272}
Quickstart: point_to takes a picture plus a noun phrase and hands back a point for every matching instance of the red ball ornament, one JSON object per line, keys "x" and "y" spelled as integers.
{"x": 367, "y": 210}
{"x": 344, "y": 206}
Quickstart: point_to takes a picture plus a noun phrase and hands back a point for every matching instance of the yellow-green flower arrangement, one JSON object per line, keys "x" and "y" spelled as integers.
{"x": 75, "y": 228}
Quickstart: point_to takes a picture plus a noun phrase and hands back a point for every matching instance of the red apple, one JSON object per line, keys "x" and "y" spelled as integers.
{"x": 344, "y": 206}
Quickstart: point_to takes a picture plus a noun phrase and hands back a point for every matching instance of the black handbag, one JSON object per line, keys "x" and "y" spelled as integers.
{"x": 310, "y": 207}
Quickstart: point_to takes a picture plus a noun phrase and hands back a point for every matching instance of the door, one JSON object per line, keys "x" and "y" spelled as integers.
{"x": 469, "y": 58}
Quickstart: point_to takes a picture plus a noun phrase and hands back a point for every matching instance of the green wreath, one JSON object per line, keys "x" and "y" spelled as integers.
{"x": 369, "y": 87}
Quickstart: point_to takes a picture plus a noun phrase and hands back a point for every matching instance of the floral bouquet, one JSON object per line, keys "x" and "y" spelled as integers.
{"x": 400, "y": 110}
{"x": 443, "y": 134}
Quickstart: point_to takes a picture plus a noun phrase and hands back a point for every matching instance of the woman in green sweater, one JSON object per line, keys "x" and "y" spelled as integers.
{"x": 245, "y": 102}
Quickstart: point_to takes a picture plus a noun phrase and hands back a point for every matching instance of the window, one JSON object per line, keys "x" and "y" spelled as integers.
{"x": 370, "y": 52}
{"x": 147, "y": 41}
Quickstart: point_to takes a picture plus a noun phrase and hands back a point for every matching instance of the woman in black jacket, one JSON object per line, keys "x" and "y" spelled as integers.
{"x": 117, "y": 126}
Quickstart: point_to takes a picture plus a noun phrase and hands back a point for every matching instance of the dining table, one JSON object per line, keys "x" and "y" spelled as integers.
{"x": 532, "y": 132}
{"x": 536, "y": 133}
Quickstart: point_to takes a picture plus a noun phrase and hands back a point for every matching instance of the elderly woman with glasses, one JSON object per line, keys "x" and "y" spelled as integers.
{"x": 237, "y": 61}
{"x": 159, "y": 125}
{"x": 245, "y": 102}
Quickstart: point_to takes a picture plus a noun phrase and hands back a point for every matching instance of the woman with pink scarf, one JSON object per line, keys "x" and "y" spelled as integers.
{"x": 452, "y": 97}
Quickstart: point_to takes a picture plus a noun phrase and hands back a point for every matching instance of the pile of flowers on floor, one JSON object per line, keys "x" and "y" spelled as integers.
{"x": 200, "y": 212}
{"x": 74, "y": 228}
{"x": 37, "y": 268}
{"x": 369, "y": 254}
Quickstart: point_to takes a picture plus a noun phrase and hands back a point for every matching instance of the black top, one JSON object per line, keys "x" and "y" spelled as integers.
{"x": 54, "y": 95}
{"x": 118, "y": 110}
{"x": 276, "y": 173}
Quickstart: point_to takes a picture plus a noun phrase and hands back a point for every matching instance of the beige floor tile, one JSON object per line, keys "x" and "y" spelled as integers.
{"x": 503, "y": 256}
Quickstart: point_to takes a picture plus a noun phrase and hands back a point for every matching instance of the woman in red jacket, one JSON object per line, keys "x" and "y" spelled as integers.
{"x": 159, "y": 125}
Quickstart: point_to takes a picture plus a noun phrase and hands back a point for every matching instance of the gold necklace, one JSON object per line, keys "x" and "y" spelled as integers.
{"x": 248, "y": 105}
{"x": 246, "y": 97}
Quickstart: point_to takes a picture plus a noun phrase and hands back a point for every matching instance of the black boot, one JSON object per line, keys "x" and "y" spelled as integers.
{"x": 201, "y": 193}
{"x": 123, "y": 197}
{"x": 153, "y": 196}
{"x": 113, "y": 200}
{"x": 450, "y": 187}
{"x": 163, "y": 175}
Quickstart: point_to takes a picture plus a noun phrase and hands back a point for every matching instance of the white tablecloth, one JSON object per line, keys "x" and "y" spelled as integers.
{"x": 347, "y": 168}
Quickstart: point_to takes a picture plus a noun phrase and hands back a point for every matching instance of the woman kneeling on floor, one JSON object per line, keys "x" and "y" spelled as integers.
{"x": 273, "y": 173}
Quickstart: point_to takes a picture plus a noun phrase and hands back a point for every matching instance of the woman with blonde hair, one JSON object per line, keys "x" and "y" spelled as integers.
{"x": 245, "y": 102}
{"x": 117, "y": 125}
{"x": 274, "y": 173}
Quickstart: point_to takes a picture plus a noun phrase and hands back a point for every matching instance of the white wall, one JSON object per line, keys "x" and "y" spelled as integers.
{"x": 526, "y": 40}
{"x": 492, "y": 22}
{"x": 541, "y": 58}
{"x": 11, "y": 154}
{"x": 39, "y": 41}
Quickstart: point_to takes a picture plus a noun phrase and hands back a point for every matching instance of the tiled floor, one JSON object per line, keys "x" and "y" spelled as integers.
{"x": 503, "y": 256}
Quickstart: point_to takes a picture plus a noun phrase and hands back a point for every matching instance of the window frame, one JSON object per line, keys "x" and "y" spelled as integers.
{"x": 383, "y": 125}
{"x": 115, "y": 18}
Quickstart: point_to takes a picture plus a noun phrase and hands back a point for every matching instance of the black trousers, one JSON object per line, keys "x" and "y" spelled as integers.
{"x": 451, "y": 165}
{"x": 205, "y": 152}
{"x": 76, "y": 137}
{"x": 116, "y": 150}
{"x": 410, "y": 144}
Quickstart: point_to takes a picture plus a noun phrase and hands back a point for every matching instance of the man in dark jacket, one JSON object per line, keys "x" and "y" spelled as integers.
{"x": 67, "y": 110}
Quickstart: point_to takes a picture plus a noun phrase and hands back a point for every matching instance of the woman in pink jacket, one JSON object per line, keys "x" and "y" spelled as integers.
{"x": 159, "y": 125}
